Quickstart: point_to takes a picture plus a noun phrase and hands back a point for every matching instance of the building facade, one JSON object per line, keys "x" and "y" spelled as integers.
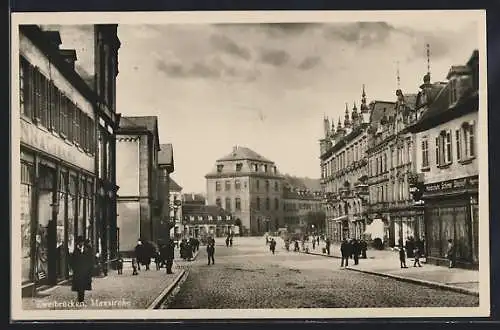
{"x": 59, "y": 119}
{"x": 447, "y": 166}
{"x": 201, "y": 221}
{"x": 138, "y": 202}
{"x": 344, "y": 173}
{"x": 166, "y": 226}
{"x": 248, "y": 186}
{"x": 302, "y": 204}
{"x": 390, "y": 165}
{"x": 175, "y": 209}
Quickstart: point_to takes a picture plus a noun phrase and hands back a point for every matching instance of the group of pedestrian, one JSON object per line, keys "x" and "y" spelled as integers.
{"x": 315, "y": 241}
{"x": 352, "y": 249}
{"x": 414, "y": 248}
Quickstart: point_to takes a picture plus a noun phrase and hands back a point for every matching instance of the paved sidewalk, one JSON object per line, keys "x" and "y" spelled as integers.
{"x": 114, "y": 291}
{"x": 386, "y": 263}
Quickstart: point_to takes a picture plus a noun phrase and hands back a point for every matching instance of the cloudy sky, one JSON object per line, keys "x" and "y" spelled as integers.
{"x": 268, "y": 86}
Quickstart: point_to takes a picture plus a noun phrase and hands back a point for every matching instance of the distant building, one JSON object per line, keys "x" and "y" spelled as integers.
{"x": 175, "y": 209}
{"x": 138, "y": 203}
{"x": 344, "y": 172}
{"x": 447, "y": 156}
{"x": 249, "y": 186}
{"x": 201, "y": 221}
{"x": 194, "y": 199}
{"x": 166, "y": 226}
{"x": 302, "y": 201}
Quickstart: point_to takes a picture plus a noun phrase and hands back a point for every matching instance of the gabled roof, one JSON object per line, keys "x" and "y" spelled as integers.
{"x": 166, "y": 156}
{"x": 243, "y": 153}
{"x": 379, "y": 109}
{"x": 174, "y": 186}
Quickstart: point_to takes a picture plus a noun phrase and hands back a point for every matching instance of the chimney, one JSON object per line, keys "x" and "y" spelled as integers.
{"x": 69, "y": 56}
{"x": 54, "y": 38}
{"x": 235, "y": 148}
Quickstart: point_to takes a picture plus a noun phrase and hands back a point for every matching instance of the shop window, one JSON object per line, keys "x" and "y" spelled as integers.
{"x": 61, "y": 247}
{"x": 89, "y": 193}
{"x": 27, "y": 181}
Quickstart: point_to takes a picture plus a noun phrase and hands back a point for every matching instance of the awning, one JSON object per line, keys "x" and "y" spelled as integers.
{"x": 339, "y": 219}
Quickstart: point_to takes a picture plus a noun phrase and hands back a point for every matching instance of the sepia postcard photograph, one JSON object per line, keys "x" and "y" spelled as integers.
{"x": 244, "y": 165}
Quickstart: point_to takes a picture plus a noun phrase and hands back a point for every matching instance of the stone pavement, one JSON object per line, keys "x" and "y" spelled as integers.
{"x": 113, "y": 291}
{"x": 386, "y": 263}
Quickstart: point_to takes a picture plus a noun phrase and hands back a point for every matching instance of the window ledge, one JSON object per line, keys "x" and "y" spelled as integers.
{"x": 26, "y": 118}
{"x": 42, "y": 128}
{"x": 425, "y": 169}
{"x": 467, "y": 161}
{"x": 444, "y": 166}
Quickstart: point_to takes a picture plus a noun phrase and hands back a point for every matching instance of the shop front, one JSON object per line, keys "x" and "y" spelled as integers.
{"x": 56, "y": 199}
{"x": 451, "y": 212}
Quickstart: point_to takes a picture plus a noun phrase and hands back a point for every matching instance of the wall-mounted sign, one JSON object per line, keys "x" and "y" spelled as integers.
{"x": 471, "y": 182}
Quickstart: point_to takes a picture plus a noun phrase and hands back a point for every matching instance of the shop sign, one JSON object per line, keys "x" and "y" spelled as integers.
{"x": 451, "y": 185}
{"x": 53, "y": 145}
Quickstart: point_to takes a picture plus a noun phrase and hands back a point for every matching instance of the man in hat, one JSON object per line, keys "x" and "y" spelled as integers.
{"x": 83, "y": 264}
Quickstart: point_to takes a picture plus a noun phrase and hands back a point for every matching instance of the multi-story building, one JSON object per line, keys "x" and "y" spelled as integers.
{"x": 247, "y": 185}
{"x": 166, "y": 225}
{"x": 302, "y": 204}
{"x": 447, "y": 165}
{"x": 344, "y": 173}
{"x": 176, "y": 202}
{"x": 61, "y": 187}
{"x": 138, "y": 204}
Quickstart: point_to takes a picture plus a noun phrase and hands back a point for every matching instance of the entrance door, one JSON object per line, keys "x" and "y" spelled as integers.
{"x": 345, "y": 229}
{"x": 43, "y": 237}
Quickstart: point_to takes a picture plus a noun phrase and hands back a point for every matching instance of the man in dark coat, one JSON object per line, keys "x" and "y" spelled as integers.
{"x": 142, "y": 255}
{"x": 272, "y": 245}
{"x": 83, "y": 264}
{"x": 167, "y": 252}
{"x": 364, "y": 247}
{"x": 355, "y": 251}
{"x": 327, "y": 246}
{"x": 345, "y": 253}
{"x": 211, "y": 250}
{"x": 231, "y": 240}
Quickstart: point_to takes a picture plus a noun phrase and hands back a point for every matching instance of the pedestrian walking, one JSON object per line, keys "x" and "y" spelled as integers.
{"x": 211, "y": 250}
{"x": 231, "y": 240}
{"x": 327, "y": 246}
{"x": 355, "y": 251}
{"x": 83, "y": 265}
{"x": 364, "y": 248}
{"x": 168, "y": 255}
{"x": 141, "y": 254}
{"x": 416, "y": 256}
{"x": 296, "y": 246}
{"x": 272, "y": 245}
{"x": 135, "y": 266}
{"x": 402, "y": 257}
{"x": 450, "y": 254}
{"x": 227, "y": 241}
{"x": 317, "y": 240}
{"x": 314, "y": 244}
{"x": 345, "y": 253}
{"x": 119, "y": 265}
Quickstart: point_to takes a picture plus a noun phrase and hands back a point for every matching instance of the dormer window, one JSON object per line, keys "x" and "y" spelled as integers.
{"x": 265, "y": 168}
{"x": 255, "y": 167}
{"x": 219, "y": 168}
{"x": 275, "y": 170}
{"x": 239, "y": 166}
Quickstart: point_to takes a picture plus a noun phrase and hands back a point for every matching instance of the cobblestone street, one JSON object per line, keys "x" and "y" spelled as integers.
{"x": 249, "y": 276}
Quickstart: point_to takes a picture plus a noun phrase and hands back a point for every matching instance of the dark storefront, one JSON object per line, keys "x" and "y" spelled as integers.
{"x": 451, "y": 212}
{"x": 56, "y": 207}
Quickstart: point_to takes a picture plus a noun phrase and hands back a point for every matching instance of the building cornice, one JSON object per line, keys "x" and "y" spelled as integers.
{"x": 243, "y": 175}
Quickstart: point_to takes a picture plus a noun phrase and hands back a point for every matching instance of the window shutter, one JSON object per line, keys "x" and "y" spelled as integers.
{"x": 437, "y": 152}
{"x": 472, "y": 147}
{"x": 458, "y": 144}
{"x": 449, "y": 146}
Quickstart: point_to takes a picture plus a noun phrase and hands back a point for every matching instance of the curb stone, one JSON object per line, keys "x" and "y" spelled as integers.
{"x": 156, "y": 304}
{"x": 158, "y": 300}
{"x": 418, "y": 281}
